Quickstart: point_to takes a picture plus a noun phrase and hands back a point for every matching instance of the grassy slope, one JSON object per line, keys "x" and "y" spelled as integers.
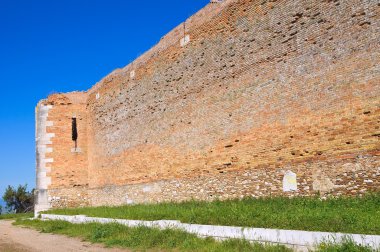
{"x": 148, "y": 239}
{"x": 15, "y": 216}
{"x": 348, "y": 215}
{"x": 142, "y": 238}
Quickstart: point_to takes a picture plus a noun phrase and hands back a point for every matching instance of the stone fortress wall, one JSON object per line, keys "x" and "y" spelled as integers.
{"x": 224, "y": 106}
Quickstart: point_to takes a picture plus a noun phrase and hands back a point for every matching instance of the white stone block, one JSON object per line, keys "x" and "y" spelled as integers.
{"x": 147, "y": 189}
{"x": 48, "y": 160}
{"x": 76, "y": 150}
{"x": 290, "y": 182}
{"x": 50, "y": 135}
{"x": 49, "y": 123}
{"x": 130, "y": 202}
{"x": 41, "y": 174}
{"x": 184, "y": 41}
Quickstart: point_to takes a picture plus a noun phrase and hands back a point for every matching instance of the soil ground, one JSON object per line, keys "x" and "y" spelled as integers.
{"x": 17, "y": 239}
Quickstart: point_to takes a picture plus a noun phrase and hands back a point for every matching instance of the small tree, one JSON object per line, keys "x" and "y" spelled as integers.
{"x": 19, "y": 200}
{"x": 1, "y": 209}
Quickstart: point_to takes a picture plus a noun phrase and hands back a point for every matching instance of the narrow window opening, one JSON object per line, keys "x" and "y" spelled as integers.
{"x": 74, "y": 131}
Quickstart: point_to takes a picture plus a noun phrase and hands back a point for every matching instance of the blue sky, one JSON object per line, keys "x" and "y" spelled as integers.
{"x": 59, "y": 46}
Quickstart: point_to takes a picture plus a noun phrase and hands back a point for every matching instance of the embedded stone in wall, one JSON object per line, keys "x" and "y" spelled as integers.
{"x": 132, "y": 74}
{"x": 76, "y": 150}
{"x": 185, "y": 40}
{"x": 290, "y": 182}
{"x": 322, "y": 183}
{"x": 130, "y": 202}
{"x": 147, "y": 189}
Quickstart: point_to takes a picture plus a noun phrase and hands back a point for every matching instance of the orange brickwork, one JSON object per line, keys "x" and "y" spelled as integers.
{"x": 250, "y": 90}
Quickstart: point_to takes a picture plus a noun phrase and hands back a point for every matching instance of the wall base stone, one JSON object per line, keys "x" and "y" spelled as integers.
{"x": 352, "y": 176}
{"x": 69, "y": 197}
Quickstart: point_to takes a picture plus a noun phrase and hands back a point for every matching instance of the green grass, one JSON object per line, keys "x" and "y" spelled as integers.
{"x": 143, "y": 238}
{"x": 347, "y": 215}
{"x": 346, "y": 246}
{"x": 16, "y": 216}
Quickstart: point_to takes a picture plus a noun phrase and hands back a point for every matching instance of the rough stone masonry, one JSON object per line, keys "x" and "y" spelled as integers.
{"x": 248, "y": 98}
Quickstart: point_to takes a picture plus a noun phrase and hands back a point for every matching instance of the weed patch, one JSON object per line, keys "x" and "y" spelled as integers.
{"x": 347, "y": 245}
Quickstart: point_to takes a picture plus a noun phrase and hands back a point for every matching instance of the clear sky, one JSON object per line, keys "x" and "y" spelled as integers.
{"x": 59, "y": 46}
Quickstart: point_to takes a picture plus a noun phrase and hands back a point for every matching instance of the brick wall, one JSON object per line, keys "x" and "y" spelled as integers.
{"x": 256, "y": 89}
{"x": 68, "y": 171}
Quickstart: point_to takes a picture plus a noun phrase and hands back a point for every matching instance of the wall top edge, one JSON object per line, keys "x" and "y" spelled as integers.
{"x": 200, "y": 17}
{"x": 197, "y": 19}
{"x": 76, "y": 97}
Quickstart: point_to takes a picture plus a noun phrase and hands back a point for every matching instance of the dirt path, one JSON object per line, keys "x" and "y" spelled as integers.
{"x": 17, "y": 239}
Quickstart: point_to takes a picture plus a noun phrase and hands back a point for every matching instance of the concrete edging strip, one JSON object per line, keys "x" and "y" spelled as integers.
{"x": 286, "y": 237}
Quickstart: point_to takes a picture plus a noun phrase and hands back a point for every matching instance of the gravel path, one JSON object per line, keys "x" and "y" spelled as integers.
{"x": 17, "y": 239}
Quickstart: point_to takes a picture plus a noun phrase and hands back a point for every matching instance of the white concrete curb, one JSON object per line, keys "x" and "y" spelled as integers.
{"x": 296, "y": 238}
